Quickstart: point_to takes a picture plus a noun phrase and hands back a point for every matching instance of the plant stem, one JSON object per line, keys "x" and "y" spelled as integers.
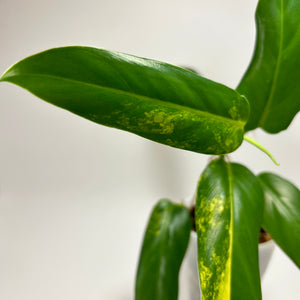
{"x": 259, "y": 146}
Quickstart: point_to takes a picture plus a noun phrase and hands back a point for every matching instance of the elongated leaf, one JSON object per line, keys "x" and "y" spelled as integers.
{"x": 155, "y": 100}
{"x": 165, "y": 243}
{"x": 228, "y": 219}
{"x": 272, "y": 81}
{"x": 282, "y": 213}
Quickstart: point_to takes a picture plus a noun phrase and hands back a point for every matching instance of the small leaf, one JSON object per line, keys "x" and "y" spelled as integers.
{"x": 282, "y": 213}
{"x": 271, "y": 83}
{"x": 165, "y": 243}
{"x": 228, "y": 218}
{"x": 155, "y": 100}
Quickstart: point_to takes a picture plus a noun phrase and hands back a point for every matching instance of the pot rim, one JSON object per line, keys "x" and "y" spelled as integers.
{"x": 267, "y": 244}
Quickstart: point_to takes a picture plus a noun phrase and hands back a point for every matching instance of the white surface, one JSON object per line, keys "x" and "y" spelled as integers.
{"x": 75, "y": 196}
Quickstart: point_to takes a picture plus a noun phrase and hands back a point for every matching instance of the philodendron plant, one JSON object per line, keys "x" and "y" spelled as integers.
{"x": 179, "y": 108}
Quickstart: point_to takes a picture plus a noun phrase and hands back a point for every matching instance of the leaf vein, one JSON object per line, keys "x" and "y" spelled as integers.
{"x": 276, "y": 72}
{"x": 237, "y": 123}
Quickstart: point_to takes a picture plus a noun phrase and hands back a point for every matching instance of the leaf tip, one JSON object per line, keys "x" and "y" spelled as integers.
{"x": 5, "y": 75}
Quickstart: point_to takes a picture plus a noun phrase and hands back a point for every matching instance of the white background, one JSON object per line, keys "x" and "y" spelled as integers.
{"x": 75, "y": 196}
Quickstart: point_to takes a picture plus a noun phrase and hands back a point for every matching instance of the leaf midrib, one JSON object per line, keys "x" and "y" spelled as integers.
{"x": 206, "y": 114}
{"x": 163, "y": 246}
{"x": 276, "y": 72}
{"x": 230, "y": 182}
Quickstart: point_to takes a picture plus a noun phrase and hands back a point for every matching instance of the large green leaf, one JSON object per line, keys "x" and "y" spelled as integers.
{"x": 282, "y": 213}
{"x": 155, "y": 100}
{"x": 272, "y": 81}
{"x": 165, "y": 243}
{"x": 228, "y": 218}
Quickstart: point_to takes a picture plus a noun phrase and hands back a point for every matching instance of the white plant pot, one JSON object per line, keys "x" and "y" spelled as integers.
{"x": 189, "y": 287}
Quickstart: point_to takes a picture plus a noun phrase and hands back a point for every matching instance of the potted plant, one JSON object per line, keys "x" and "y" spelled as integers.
{"x": 179, "y": 108}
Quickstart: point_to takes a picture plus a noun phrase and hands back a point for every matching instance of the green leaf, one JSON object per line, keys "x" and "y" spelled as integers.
{"x": 228, "y": 218}
{"x": 155, "y": 100}
{"x": 272, "y": 81}
{"x": 165, "y": 243}
{"x": 282, "y": 213}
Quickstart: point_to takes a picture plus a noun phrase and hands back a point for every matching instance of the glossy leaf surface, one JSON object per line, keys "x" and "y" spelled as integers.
{"x": 158, "y": 101}
{"x": 272, "y": 81}
{"x": 228, "y": 218}
{"x": 165, "y": 243}
{"x": 282, "y": 213}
